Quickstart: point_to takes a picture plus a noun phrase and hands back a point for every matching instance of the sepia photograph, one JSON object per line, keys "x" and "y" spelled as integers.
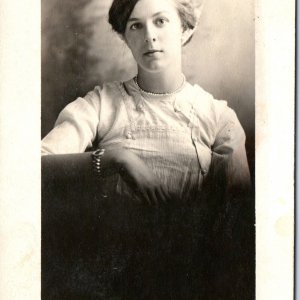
{"x": 148, "y": 149}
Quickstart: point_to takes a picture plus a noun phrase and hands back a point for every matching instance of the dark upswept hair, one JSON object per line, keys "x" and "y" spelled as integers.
{"x": 121, "y": 10}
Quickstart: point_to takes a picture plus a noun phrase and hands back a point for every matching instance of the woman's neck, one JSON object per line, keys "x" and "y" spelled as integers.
{"x": 160, "y": 83}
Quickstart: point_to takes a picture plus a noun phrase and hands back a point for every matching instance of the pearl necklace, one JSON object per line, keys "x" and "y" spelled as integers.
{"x": 160, "y": 94}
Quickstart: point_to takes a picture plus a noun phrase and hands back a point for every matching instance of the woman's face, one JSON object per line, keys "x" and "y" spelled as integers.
{"x": 154, "y": 34}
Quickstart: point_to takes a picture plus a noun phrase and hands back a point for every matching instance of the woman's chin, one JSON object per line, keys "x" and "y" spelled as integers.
{"x": 154, "y": 66}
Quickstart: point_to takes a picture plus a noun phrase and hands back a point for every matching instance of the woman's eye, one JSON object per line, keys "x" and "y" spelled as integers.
{"x": 135, "y": 26}
{"x": 161, "y": 21}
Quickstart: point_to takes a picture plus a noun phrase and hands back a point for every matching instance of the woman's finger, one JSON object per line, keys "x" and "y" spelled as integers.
{"x": 145, "y": 197}
{"x": 166, "y": 193}
{"x": 153, "y": 198}
{"x": 161, "y": 196}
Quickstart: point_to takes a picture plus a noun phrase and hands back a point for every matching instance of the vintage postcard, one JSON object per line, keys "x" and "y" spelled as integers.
{"x": 169, "y": 173}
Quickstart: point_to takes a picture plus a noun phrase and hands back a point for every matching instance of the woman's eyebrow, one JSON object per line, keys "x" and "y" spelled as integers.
{"x": 154, "y": 15}
{"x": 132, "y": 19}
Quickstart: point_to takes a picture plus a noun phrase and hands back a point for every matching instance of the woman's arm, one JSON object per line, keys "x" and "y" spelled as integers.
{"x": 76, "y": 165}
{"x": 75, "y": 130}
{"x": 233, "y": 233}
{"x": 118, "y": 160}
{"x": 62, "y": 166}
{"x": 229, "y": 188}
{"x": 229, "y": 154}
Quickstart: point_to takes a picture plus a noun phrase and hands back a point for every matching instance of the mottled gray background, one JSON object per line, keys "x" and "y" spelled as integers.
{"x": 79, "y": 50}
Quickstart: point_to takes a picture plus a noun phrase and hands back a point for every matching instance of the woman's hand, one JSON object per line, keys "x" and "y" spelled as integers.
{"x": 138, "y": 176}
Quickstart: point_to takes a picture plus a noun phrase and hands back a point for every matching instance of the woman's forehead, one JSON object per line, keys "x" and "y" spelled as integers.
{"x": 146, "y": 8}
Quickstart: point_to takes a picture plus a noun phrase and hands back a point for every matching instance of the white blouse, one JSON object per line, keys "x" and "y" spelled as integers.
{"x": 182, "y": 137}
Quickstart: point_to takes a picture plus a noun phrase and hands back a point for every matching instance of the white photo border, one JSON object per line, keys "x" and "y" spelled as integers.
{"x": 20, "y": 184}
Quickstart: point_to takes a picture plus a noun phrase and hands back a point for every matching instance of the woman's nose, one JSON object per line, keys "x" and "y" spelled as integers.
{"x": 150, "y": 34}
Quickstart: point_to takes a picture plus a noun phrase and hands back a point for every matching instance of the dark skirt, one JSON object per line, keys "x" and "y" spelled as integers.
{"x": 112, "y": 249}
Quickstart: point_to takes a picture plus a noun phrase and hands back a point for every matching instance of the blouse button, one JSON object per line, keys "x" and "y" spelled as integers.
{"x": 128, "y": 135}
{"x": 140, "y": 107}
{"x": 177, "y": 108}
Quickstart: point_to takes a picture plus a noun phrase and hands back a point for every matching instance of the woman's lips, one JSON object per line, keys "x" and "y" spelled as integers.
{"x": 152, "y": 52}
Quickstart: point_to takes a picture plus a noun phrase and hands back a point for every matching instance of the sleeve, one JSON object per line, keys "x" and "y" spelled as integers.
{"x": 76, "y": 126}
{"x": 229, "y": 154}
{"x": 230, "y": 231}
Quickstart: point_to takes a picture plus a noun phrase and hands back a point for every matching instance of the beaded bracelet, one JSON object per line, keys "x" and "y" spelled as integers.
{"x": 96, "y": 157}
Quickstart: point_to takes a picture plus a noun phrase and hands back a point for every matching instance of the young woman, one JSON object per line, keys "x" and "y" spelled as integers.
{"x": 167, "y": 150}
